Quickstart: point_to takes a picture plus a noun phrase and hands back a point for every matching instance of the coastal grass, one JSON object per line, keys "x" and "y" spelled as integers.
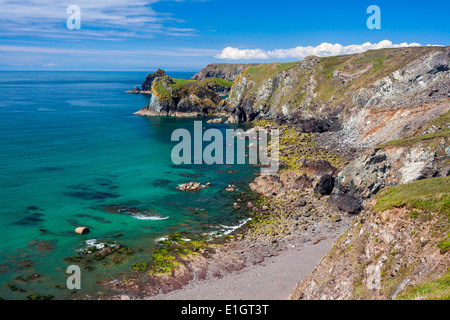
{"x": 408, "y": 142}
{"x": 444, "y": 243}
{"x": 429, "y": 195}
{"x": 171, "y": 90}
{"x": 360, "y": 71}
{"x": 438, "y": 289}
{"x": 217, "y": 81}
{"x": 263, "y": 72}
{"x": 442, "y": 121}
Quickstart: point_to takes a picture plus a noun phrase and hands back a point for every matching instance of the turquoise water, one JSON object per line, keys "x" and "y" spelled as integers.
{"x": 70, "y": 146}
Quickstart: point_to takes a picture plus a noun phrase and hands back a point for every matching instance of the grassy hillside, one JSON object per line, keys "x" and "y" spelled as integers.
{"x": 334, "y": 80}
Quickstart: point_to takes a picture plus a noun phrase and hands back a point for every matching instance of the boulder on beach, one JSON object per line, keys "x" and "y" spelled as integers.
{"x": 82, "y": 230}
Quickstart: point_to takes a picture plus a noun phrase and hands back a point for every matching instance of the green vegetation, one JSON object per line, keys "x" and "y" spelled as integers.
{"x": 295, "y": 146}
{"x": 408, "y": 142}
{"x": 444, "y": 243}
{"x": 40, "y": 297}
{"x": 161, "y": 91}
{"x": 178, "y": 83}
{"x": 217, "y": 81}
{"x": 438, "y": 289}
{"x": 139, "y": 266}
{"x": 263, "y": 72}
{"x": 330, "y": 64}
{"x": 442, "y": 121}
{"x": 174, "y": 249}
{"x": 355, "y": 72}
{"x": 432, "y": 195}
{"x": 376, "y": 59}
{"x": 163, "y": 262}
{"x": 174, "y": 90}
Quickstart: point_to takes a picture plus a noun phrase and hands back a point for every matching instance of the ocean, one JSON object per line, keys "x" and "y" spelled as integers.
{"x": 71, "y": 153}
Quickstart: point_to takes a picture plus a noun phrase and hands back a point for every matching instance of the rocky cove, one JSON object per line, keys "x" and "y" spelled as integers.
{"x": 364, "y": 163}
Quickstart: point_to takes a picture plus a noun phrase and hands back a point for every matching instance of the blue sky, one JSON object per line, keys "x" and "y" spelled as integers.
{"x": 186, "y": 35}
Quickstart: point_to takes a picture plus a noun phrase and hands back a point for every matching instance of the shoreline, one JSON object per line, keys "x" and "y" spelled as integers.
{"x": 233, "y": 269}
{"x": 290, "y": 229}
{"x": 272, "y": 278}
{"x": 239, "y": 270}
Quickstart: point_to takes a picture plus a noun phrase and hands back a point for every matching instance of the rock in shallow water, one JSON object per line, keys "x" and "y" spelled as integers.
{"x": 82, "y": 230}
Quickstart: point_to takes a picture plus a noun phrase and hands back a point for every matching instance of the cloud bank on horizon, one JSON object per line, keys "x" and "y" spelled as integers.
{"x": 323, "y": 50}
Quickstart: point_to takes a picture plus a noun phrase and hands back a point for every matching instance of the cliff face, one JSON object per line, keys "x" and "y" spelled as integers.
{"x": 399, "y": 243}
{"x": 147, "y": 84}
{"x": 398, "y": 246}
{"x": 180, "y": 97}
{"x": 400, "y": 88}
{"x": 420, "y": 156}
{"x": 221, "y": 71}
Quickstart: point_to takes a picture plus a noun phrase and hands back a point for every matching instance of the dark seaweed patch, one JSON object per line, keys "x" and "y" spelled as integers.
{"x": 131, "y": 211}
{"x": 32, "y": 219}
{"x": 51, "y": 168}
{"x": 182, "y": 166}
{"x": 187, "y": 175}
{"x": 91, "y": 194}
{"x": 39, "y": 245}
{"x": 93, "y": 218}
{"x": 162, "y": 183}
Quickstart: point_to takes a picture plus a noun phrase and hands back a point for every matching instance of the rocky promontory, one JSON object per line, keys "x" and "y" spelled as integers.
{"x": 146, "y": 86}
{"x": 181, "y": 97}
{"x": 224, "y": 71}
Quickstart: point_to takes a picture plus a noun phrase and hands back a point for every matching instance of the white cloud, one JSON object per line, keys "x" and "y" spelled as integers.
{"x": 100, "y": 19}
{"x": 238, "y": 54}
{"x": 323, "y": 50}
{"x": 164, "y": 51}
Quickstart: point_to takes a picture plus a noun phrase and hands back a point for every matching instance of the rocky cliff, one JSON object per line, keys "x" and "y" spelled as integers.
{"x": 146, "y": 86}
{"x": 398, "y": 247}
{"x": 181, "y": 97}
{"x": 373, "y": 96}
{"x": 370, "y": 136}
{"x": 221, "y": 71}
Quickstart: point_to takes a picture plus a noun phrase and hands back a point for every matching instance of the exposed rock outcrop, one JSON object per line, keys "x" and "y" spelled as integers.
{"x": 222, "y": 71}
{"x": 82, "y": 230}
{"x": 366, "y": 99}
{"x": 192, "y": 186}
{"x": 147, "y": 84}
{"x": 396, "y": 162}
{"x": 388, "y": 249}
{"x": 325, "y": 185}
{"x": 267, "y": 185}
{"x": 179, "y": 97}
